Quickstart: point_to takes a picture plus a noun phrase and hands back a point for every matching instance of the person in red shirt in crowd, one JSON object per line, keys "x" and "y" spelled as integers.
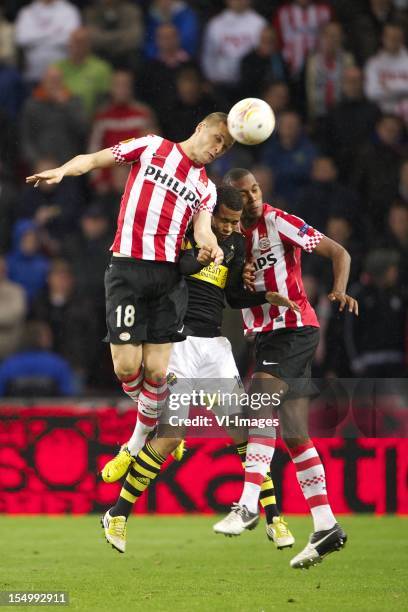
{"x": 298, "y": 25}
{"x": 121, "y": 117}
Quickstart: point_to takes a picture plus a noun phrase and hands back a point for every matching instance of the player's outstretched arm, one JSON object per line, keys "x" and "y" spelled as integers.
{"x": 81, "y": 164}
{"x": 205, "y": 237}
{"x": 341, "y": 271}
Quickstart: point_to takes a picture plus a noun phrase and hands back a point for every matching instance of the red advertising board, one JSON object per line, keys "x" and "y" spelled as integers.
{"x": 50, "y": 458}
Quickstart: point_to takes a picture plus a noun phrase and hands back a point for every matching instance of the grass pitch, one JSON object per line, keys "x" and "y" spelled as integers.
{"x": 176, "y": 564}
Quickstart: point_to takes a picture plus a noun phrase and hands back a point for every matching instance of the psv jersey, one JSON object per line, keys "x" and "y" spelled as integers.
{"x": 164, "y": 189}
{"x": 274, "y": 243}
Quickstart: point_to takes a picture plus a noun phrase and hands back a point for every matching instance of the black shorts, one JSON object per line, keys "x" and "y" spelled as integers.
{"x": 288, "y": 354}
{"x": 145, "y": 301}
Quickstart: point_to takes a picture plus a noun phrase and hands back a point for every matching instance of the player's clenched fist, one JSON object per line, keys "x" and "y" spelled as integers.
{"x": 204, "y": 256}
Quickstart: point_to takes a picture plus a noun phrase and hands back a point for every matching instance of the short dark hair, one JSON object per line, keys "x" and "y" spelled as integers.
{"x": 235, "y": 174}
{"x": 230, "y": 197}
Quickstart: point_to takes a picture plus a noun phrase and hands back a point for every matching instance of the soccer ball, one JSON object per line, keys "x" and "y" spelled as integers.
{"x": 251, "y": 121}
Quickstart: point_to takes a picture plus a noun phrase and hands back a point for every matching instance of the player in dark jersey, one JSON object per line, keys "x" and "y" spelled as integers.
{"x": 205, "y": 354}
{"x": 285, "y": 345}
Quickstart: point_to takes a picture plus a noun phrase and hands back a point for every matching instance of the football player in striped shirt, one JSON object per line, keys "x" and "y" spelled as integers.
{"x": 205, "y": 361}
{"x": 146, "y": 295}
{"x": 286, "y": 340}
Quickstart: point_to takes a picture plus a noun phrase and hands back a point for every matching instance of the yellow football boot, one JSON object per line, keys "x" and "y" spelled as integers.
{"x": 117, "y": 467}
{"x": 115, "y": 531}
{"x": 279, "y": 533}
{"x": 178, "y": 452}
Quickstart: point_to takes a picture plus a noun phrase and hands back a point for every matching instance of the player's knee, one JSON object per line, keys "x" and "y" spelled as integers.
{"x": 123, "y": 368}
{"x": 156, "y": 374}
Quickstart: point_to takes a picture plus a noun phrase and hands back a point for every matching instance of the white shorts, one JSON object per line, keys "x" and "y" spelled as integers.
{"x": 203, "y": 364}
{"x": 198, "y": 358}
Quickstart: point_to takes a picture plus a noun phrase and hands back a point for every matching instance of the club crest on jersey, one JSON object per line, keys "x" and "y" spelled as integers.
{"x": 157, "y": 175}
{"x": 303, "y": 230}
{"x": 264, "y": 243}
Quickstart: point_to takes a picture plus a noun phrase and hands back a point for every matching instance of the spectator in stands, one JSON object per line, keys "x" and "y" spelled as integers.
{"x": 116, "y": 29}
{"x": 25, "y": 264}
{"x": 366, "y": 28}
{"x": 159, "y": 75}
{"x": 324, "y": 71}
{"x": 325, "y": 197}
{"x": 350, "y": 122}
{"x": 193, "y": 102}
{"x": 86, "y": 75}
{"x": 290, "y": 154}
{"x": 386, "y": 74}
{"x": 396, "y": 237}
{"x": 36, "y": 371}
{"x": 179, "y": 14}
{"x": 109, "y": 201}
{"x": 71, "y": 318}
{"x": 7, "y": 41}
{"x": 375, "y": 340}
{"x": 54, "y": 208}
{"x": 403, "y": 182}
{"x": 376, "y": 169}
{"x": 42, "y": 32}
{"x": 332, "y": 352}
{"x": 343, "y": 231}
{"x": 266, "y": 181}
{"x": 8, "y": 208}
{"x": 13, "y": 310}
{"x": 87, "y": 250}
{"x": 262, "y": 66}
{"x": 228, "y": 37}
{"x": 53, "y": 122}
{"x": 277, "y": 95}
{"x": 122, "y": 117}
{"x": 11, "y": 91}
{"x": 297, "y": 24}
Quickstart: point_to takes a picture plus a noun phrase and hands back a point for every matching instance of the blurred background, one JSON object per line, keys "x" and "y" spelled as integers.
{"x": 80, "y": 76}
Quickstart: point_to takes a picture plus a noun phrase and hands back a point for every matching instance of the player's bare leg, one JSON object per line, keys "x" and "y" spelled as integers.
{"x": 148, "y": 388}
{"x": 153, "y": 394}
{"x": 328, "y": 536}
{"x": 259, "y": 453}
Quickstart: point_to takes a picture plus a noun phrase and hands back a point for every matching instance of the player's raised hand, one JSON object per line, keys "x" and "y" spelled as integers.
{"x": 248, "y": 275}
{"x": 345, "y": 301}
{"x": 204, "y": 256}
{"x": 50, "y": 177}
{"x": 280, "y": 300}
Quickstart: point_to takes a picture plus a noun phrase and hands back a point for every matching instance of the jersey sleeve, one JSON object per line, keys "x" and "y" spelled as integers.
{"x": 235, "y": 292}
{"x": 188, "y": 263}
{"x": 296, "y": 231}
{"x": 129, "y": 151}
{"x": 208, "y": 199}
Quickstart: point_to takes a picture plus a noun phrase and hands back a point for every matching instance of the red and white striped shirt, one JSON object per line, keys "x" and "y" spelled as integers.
{"x": 298, "y": 28}
{"x": 164, "y": 189}
{"x": 275, "y": 242}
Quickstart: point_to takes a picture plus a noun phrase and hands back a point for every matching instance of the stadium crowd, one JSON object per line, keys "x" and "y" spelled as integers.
{"x": 81, "y": 76}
